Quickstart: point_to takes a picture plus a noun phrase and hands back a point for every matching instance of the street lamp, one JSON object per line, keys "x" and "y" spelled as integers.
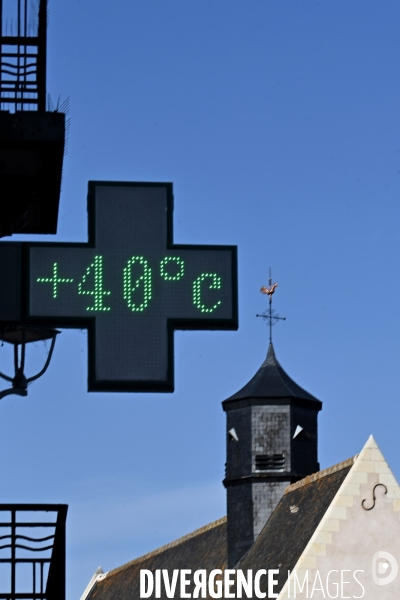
{"x": 19, "y": 336}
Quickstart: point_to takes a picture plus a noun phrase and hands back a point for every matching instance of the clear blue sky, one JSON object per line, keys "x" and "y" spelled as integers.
{"x": 278, "y": 124}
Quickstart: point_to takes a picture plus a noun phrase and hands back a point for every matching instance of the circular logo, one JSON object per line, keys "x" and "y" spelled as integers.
{"x": 384, "y": 568}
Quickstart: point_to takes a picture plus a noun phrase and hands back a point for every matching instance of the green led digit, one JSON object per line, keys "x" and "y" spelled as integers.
{"x": 215, "y": 284}
{"x": 131, "y": 284}
{"x": 95, "y": 269}
{"x": 55, "y": 280}
{"x": 177, "y": 271}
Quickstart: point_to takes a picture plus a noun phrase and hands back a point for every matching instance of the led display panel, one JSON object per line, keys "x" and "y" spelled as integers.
{"x": 131, "y": 286}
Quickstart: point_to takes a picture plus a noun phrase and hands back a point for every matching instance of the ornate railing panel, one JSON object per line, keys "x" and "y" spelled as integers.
{"x": 32, "y": 551}
{"x": 23, "y": 55}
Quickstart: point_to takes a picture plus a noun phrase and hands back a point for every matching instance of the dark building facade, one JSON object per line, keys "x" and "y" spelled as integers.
{"x": 271, "y": 443}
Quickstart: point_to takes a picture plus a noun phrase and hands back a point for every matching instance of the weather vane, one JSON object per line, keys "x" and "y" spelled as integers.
{"x": 270, "y": 315}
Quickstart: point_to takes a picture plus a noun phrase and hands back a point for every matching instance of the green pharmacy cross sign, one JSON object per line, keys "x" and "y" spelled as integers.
{"x": 131, "y": 286}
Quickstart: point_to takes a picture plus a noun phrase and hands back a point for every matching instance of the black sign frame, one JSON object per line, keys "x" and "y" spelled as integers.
{"x": 88, "y": 322}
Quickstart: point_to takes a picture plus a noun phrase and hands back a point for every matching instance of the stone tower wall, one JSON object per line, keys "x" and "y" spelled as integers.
{"x": 270, "y": 427}
{"x": 304, "y": 446}
{"x": 254, "y": 492}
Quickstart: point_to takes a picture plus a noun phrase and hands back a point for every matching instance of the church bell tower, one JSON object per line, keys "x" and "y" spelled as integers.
{"x": 271, "y": 443}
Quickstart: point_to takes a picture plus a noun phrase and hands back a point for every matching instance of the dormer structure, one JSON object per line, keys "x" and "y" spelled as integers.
{"x": 272, "y": 439}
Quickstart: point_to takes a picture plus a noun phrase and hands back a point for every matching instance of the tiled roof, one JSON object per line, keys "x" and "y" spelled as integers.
{"x": 279, "y": 545}
{"x": 315, "y": 476}
{"x": 271, "y": 381}
{"x": 293, "y": 522}
{"x": 204, "y": 548}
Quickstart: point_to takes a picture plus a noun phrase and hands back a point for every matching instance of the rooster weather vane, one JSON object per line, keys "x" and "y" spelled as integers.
{"x": 270, "y": 315}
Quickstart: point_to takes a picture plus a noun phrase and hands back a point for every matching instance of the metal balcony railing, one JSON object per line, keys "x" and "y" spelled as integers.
{"x": 23, "y": 54}
{"x": 32, "y": 551}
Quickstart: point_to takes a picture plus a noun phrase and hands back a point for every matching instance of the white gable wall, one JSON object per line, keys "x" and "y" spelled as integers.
{"x": 348, "y": 537}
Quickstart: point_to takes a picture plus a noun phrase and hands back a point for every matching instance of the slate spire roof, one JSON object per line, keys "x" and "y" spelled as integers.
{"x": 271, "y": 381}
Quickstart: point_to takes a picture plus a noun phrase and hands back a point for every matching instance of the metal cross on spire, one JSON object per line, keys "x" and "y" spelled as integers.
{"x": 270, "y": 315}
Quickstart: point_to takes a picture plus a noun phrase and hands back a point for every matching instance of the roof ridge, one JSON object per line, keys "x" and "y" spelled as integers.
{"x": 319, "y": 474}
{"x": 168, "y": 546}
{"x": 282, "y": 373}
{"x": 272, "y": 361}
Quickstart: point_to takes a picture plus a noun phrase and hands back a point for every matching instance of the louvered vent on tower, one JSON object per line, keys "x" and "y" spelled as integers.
{"x": 270, "y": 462}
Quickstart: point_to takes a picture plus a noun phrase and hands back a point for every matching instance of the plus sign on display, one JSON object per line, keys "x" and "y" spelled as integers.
{"x": 131, "y": 286}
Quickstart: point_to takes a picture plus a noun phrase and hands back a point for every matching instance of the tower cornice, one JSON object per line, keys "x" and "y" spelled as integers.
{"x": 232, "y": 404}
